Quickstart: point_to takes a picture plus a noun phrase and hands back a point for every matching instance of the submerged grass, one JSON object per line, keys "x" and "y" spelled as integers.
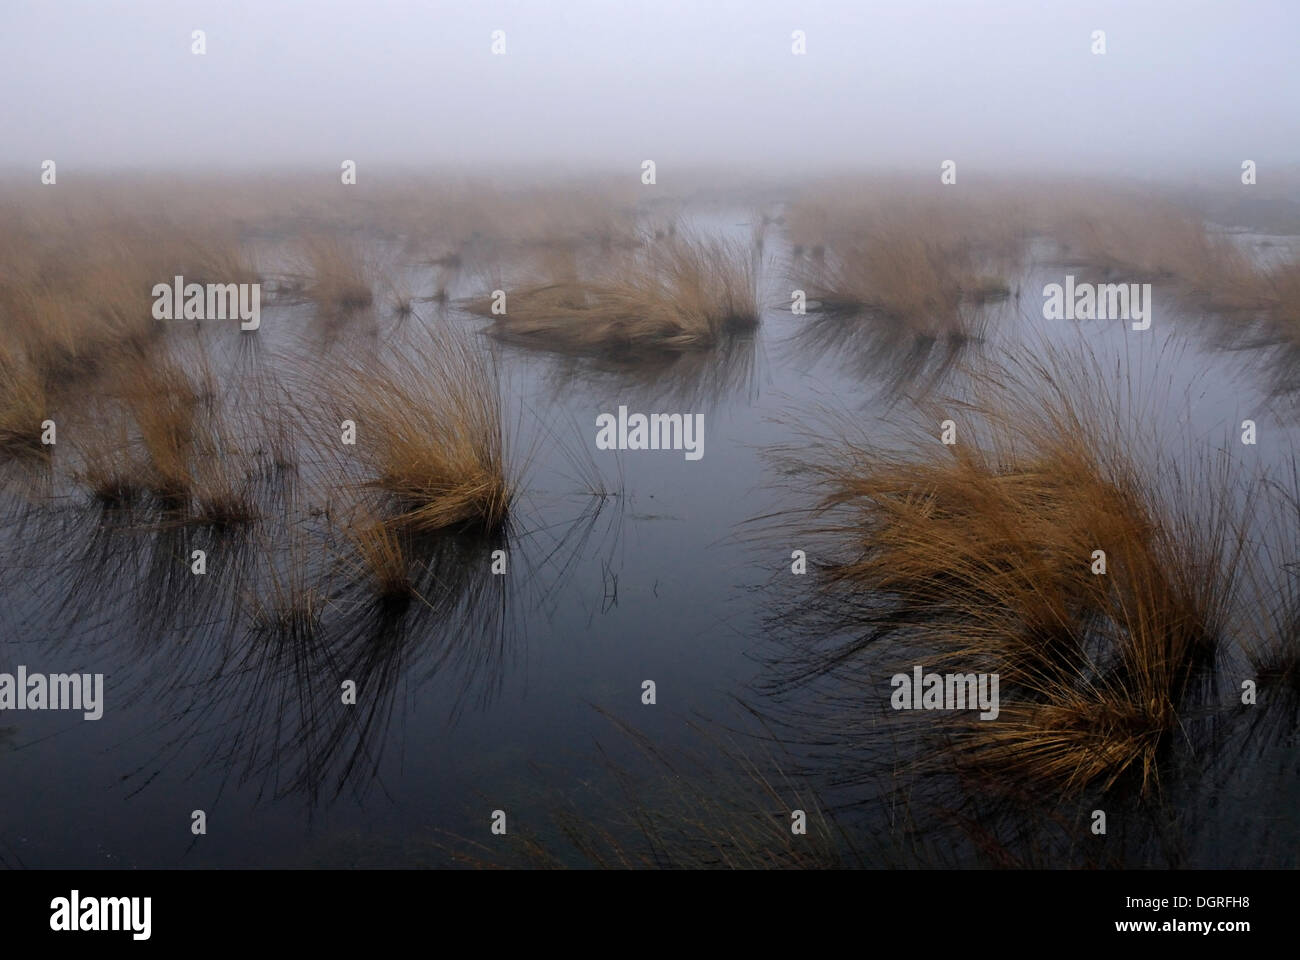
{"x": 722, "y": 806}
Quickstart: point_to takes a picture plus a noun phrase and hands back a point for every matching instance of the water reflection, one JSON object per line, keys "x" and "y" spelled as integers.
{"x": 244, "y": 665}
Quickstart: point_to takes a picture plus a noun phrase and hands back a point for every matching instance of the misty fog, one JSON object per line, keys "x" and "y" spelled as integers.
{"x": 1182, "y": 86}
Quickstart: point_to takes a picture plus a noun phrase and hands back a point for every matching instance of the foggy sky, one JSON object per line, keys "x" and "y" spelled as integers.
{"x": 1184, "y": 85}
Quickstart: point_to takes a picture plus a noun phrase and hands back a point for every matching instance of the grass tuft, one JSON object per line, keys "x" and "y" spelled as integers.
{"x": 678, "y": 295}
{"x": 430, "y": 432}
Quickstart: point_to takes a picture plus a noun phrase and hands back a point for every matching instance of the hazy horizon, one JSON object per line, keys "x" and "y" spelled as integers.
{"x": 1183, "y": 88}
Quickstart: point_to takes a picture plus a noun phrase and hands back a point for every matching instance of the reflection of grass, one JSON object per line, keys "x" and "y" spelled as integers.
{"x": 293, "y": 606}
{"x": 1277, "y": 663}
{"x": 906, "y": 360}
{"x": 728, "y": 810}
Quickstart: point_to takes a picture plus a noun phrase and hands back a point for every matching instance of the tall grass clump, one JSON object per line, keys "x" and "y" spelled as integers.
{"x": 108, "y": 465}
{"x": 382, "y": 555}
{"x": 1254, "y": 298}
{"x": 898, "y": 278}
{"x": 334, "y": 276}
{"x": 224, "y": 492}
{"x": 430, "y": 431}
{"x": 1142, "y": 238}
{"x": 677, "y": 295}
{"x": 164, "y": 403}
{"x": 1283, "y": 295}
{"x": 979, "y": 557}
{"x": 213, "y": 253}
{"x": 906, "y": 261}
{"x": 162, "y": 429}
{"x": 23, "y": 403}
{"x": 82, "y": 300}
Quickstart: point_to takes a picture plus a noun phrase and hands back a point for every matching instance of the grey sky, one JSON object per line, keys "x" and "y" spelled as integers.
{"x": 1184, "y": 85}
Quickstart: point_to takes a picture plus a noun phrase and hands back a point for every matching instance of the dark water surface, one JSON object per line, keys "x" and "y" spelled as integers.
{"x": 508, "y": 693}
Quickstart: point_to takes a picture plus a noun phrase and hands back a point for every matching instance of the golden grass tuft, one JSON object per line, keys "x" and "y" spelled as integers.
{"x": 976, "y": 558}
{"x": 1270, "y": 294}
{"x": 23, "y": 403}
{"x": 222, "y": 484}
{"x": 164, "y": 402}
{"x": 1143, "y": 237}
{"x": 80, "y": 307}
{"x": 383, "y": 556}
{"x": 108, "y": 467}
{"x": 335, "y": 275}
{"x": 212, "y": 253}
{"x": 896, "y": 253}
{"x": 430, "y": 432}
{"x": 677, "y": 295}
{"x": 902, "y": 278}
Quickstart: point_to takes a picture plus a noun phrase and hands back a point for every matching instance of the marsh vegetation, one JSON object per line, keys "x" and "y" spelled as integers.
{"x": 392, "y": 483}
